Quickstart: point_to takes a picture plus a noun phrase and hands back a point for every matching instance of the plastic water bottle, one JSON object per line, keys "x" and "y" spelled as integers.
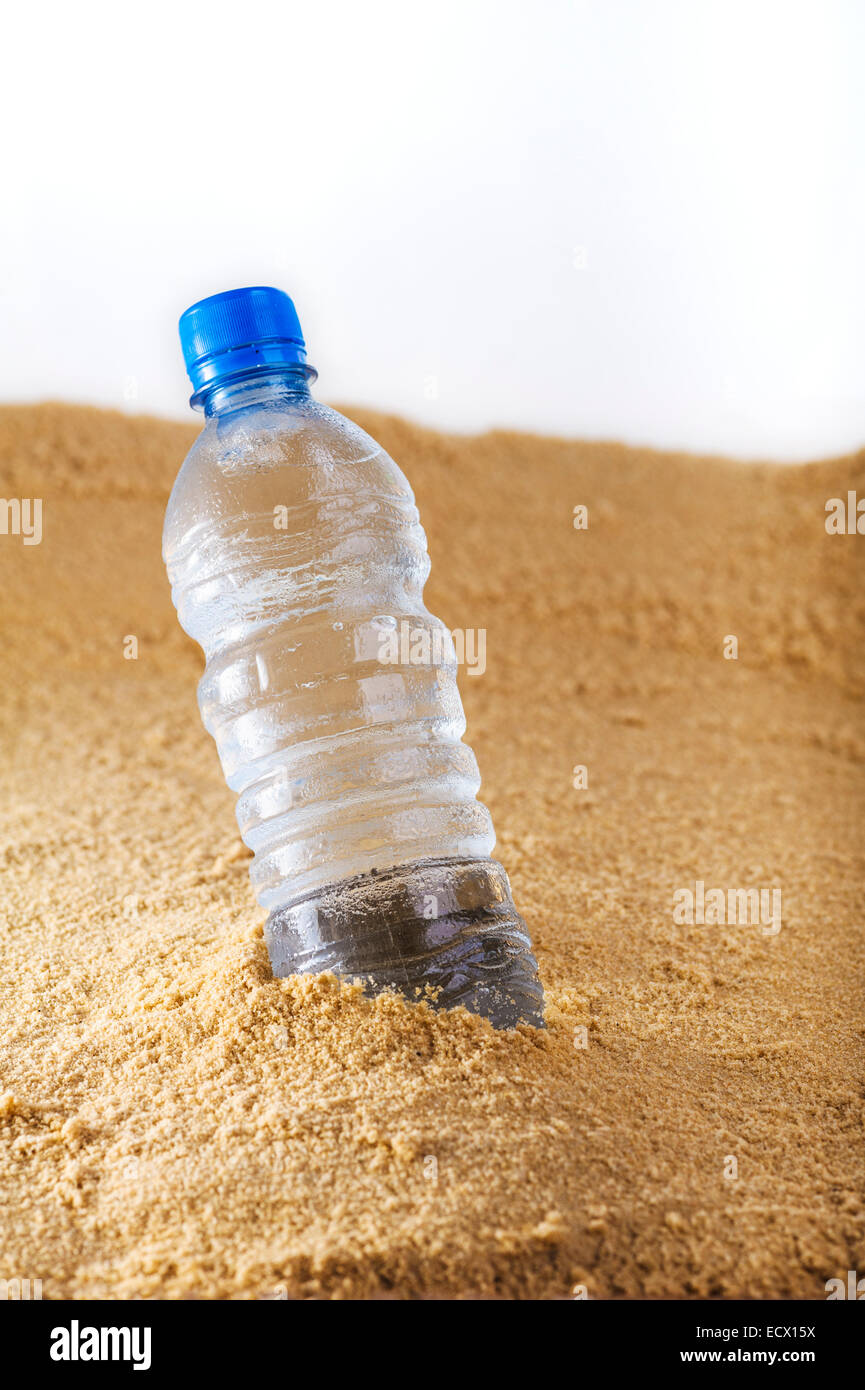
{"x": 296, "y": 555}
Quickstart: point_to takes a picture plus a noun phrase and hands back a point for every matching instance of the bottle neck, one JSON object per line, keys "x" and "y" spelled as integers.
{"x": 261, "y": 386}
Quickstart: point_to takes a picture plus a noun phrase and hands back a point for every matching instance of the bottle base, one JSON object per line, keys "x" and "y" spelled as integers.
{"x": 444, "y": 925}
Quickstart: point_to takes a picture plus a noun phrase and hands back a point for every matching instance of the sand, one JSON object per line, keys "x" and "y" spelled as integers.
{"x": 175, "y": 1123}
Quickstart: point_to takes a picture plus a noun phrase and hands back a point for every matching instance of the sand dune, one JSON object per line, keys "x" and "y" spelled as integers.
{"x": 175, "y": 1123}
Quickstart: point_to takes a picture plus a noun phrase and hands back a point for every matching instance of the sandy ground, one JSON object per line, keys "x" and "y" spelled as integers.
{"x": 175, "y": 1123}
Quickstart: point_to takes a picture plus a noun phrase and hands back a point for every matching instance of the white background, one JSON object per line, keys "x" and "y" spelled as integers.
{"x": 633, "y": 219}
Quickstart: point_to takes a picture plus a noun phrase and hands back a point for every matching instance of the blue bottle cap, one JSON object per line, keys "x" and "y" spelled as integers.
{"x": 239, "y": 331}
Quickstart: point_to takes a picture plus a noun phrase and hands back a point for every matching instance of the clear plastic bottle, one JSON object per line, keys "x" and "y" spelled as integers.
{"x": 295, "y": 553}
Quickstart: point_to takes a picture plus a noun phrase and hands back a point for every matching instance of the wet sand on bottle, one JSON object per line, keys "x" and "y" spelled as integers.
{"x": 175, "y": 1123}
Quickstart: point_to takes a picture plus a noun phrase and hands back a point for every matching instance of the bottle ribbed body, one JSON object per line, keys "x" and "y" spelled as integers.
{"x": 294, "y": 571}
{"x": 296, "y": 555}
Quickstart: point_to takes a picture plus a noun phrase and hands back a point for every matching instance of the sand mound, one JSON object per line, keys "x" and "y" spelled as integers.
{"x": 174, "y": 1122}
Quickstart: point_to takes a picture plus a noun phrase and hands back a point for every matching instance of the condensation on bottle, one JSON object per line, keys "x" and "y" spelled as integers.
{"x": 295, "y": 553}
